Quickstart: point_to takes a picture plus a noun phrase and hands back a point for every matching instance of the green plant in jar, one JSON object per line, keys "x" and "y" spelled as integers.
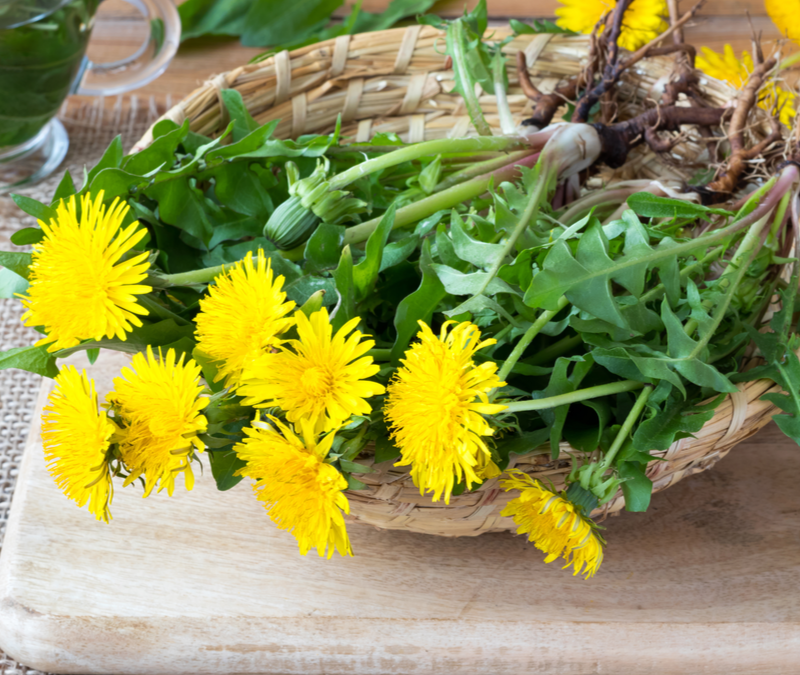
{"x": 42, "y": 47}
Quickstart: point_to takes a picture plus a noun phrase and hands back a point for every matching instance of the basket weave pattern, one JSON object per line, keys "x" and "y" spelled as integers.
{"x": 395, "y": 81}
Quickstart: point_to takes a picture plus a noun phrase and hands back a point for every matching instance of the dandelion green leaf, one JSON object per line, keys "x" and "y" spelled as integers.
{"x": 520, "y": 272}
{"x": 637, "y": 488}
{"x": 637, "y": 243}
{"x": 585, "y": 277}
{"x": 354, "y": 483}
{"x": 521, "y": 444}
{"x": 345, "y": 286}
{"x": 584, "y": 436}
{"x": 324, "y": 247}
{"x": 111, "y": 159}
{"x": 669, "y": 421}
{"x": 354, "y": 467}
{"x": 210, "y": 370}
{"x": 446, "y": 252}
{"x": 302, "y": 288}
{"x": 385, "y": 450}
{"x": 478, "y": 304}
{"x": 365, "y": 274}
{"x": 26, "y": 236}
{"x": 224, "y": 465}
{"x": 396, "y": 252}
{"x": 238, "y": 187}
{"x": 562, "y": 382}
{"x": 66, "y": 188}
{"x": 586, "y": 282}
{"x": 419, "y": 305}
{"x": 458, "y": 283}
{"x": 276, "y": 23}
{"x": 623, "y": 361}
{"x": 160, "y": 153}
{"x": 479, "y": 253}
{"x": 33, "y": 208}
{"x": 649, "y": 205}
{"x": 31, "y": 359}
{"x": 19, "y": 263}
{"x": 397, "y": 10}
{"x": 11, "y": 283}
{"x": 782, "y": 366}
{"x": 211, "y": 17}
{"x": 243, "y": 122}
{"x": 685, "y": 357}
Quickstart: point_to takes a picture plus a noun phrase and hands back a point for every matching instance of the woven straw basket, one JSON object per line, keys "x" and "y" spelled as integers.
{"x": 396, "y": 81}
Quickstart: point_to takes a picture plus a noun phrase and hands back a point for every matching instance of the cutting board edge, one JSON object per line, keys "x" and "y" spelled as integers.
{"x": 309, "y": 646}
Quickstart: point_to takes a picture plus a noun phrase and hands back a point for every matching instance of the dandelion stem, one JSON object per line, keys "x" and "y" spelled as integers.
{"x": 160, "y": 311}
{"x": 507, "y": 125}
{"x": 438, "y": 201}
{"x": 457, "y": 42}
{"x": 554, "y": 350}
{"x": 479, "y": 168}
{"x": 728, "y": 282}
{"x": 574, "y": 396}
{"x": 426, "y": 149}
{"x": 192, "y": 278}
{"x": 543, "y": 319}
{"x": 624, "y": 430}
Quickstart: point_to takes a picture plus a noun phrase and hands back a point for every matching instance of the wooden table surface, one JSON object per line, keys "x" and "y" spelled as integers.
{"x": 203, "y": 583}
{"x": 119, "y": 33}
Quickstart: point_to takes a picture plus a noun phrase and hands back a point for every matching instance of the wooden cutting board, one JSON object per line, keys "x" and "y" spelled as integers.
{"x": 706, "y": 581}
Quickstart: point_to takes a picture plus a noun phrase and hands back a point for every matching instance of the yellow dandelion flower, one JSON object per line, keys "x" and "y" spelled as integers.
{"x": 435, "y": 409}
{"x": 726, "y": 66}
{"x": 79, "y": 286}
{"x": 643, "y": 20}
{"x": 735, "y": 71}
{"x": 76, "y": 436}
{"x": 242, "y": 316}
{"x": 554, "y": 524}
{"x": 784, "y": 14}
{"x": 320, "y": 377}
{"x": 159, "y": 404}
{"x": 301, "y": 493}
{"x": 775, "y": 97}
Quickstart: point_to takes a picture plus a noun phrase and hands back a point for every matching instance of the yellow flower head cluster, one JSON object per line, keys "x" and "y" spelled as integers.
{"x": 735, "y": 71}
{"x": 157, "y": 406}
{"x": 80, "y": 286}
{"x": 159, "y": 403}
{"x": 435, "y": 408}
{"x": 301, "y": 493}
{"x": 784, "y": 14}
{"x": 242, "y": 316}
{"x": 554, "y": 524}
{"x": 319, "y": 378}
{"x": 76, "y": 437}
{"x": 643, "y": 20}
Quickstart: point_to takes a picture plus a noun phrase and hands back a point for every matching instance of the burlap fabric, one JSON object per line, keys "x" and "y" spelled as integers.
{"x": 91, "y": 126}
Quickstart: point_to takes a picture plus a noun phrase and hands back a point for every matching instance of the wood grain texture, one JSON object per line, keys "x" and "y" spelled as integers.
{"x": 204, "y": 583}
